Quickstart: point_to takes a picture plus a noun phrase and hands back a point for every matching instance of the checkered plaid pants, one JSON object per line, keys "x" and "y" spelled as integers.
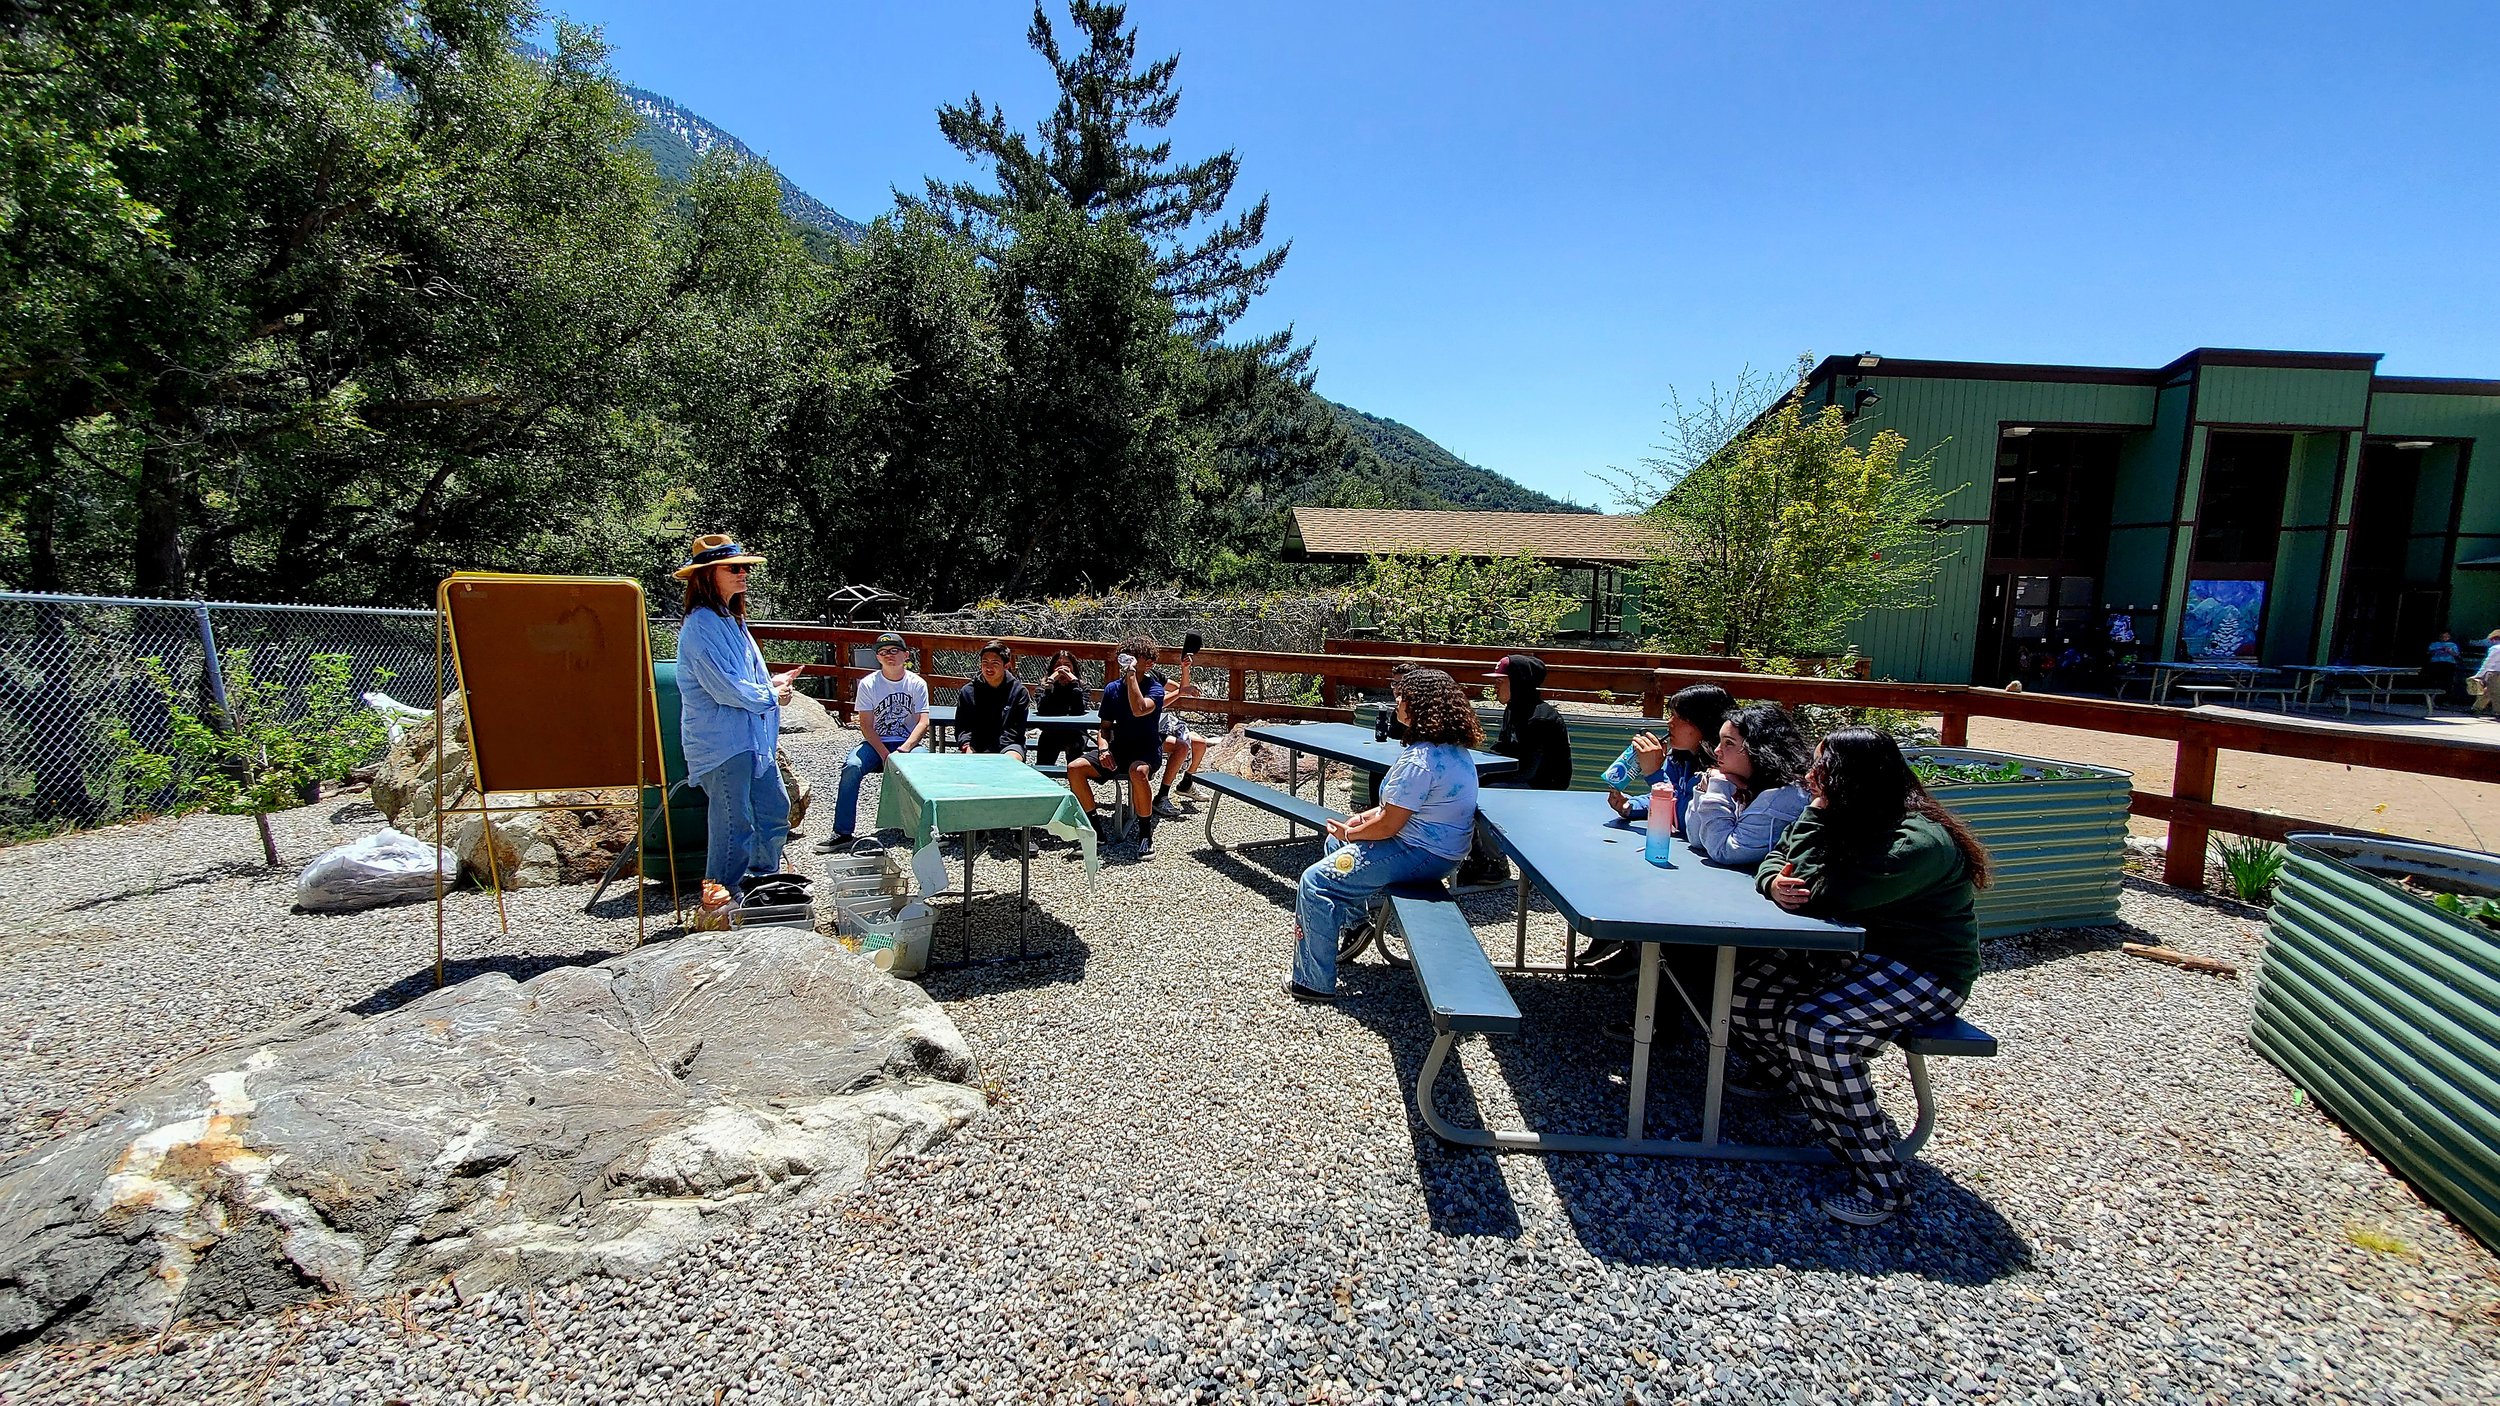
{"x": 1816, "y": 1020}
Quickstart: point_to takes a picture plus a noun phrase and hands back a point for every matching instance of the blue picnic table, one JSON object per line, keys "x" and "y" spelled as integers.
{"x": 1589, "y": 863}
{"x": 1355, "y": 747}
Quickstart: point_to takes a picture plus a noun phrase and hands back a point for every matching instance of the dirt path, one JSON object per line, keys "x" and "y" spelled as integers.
{"x": 2439, "y": 809}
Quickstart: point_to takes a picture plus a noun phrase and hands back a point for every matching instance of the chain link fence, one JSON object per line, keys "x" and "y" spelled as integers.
{"x": 71, "y": 667}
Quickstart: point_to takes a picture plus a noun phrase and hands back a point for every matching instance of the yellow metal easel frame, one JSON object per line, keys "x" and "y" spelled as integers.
{"x": 447, "y": 640}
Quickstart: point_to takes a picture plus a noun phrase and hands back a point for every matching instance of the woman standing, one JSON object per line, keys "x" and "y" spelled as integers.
{"x": 1418, "y": 833}
{"x": 1875, "y": 849}
{"x": 729, "y": 715}
{"x": 1740, "y": 808}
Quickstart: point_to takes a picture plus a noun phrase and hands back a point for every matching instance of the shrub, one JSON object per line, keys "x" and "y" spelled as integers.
{"x": 2252, "y": 865}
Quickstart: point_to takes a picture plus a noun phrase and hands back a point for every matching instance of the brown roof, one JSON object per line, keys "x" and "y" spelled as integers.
{"x": 1564, "y": 537}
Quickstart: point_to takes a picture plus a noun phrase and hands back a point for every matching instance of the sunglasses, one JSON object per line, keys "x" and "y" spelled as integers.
{"x": 892, "y": 649}
{"x": 740, "y": 569}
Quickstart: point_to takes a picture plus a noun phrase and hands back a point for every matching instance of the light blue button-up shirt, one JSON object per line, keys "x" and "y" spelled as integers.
{"x": 725, "y": 702}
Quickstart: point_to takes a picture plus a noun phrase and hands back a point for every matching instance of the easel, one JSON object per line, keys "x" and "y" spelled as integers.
{"x": 528, "y": 633}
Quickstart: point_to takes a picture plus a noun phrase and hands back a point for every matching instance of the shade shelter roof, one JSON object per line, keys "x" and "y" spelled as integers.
{"x": 1350, "y": 534}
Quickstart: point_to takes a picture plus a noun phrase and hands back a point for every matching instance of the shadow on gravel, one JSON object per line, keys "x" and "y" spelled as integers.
{"x": 1273, "y": 874}
{"x": 214, "y": 873}
{"x": 1563, "y": 1074}
{"x": 358, "y": 811}
{"x": 520, "y": 967}
{"x": 2037, "y": 949}
{"x": 1056, "y": 955}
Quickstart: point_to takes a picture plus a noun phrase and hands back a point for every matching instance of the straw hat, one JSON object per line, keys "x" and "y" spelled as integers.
{"x": 715, "y": 549}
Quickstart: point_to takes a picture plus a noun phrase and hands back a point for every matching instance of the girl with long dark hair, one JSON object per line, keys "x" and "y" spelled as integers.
{"x": 1742, "y": 806}
{"x": 1876, "y": 849}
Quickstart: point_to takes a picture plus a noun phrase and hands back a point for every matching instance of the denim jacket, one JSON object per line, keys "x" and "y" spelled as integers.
{"x": 725, "y": 702}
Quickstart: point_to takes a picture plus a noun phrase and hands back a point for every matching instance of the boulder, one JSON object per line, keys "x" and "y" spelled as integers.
{"x": 805, "y": 714}
{"x": 796, "y": 784}
{"x": 590, "y": 1118}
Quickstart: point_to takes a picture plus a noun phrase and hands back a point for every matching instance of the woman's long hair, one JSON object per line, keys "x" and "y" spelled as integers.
{"x": 1437, "y": 709}
{"x": 1868, "y": 789}
{"x": 703, "y": 593}
{"x": 1777, "y": 749}
{"x": 1705, "y": 706}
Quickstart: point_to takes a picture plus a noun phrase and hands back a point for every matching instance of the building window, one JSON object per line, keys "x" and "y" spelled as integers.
{"x": 2240, "y": 515}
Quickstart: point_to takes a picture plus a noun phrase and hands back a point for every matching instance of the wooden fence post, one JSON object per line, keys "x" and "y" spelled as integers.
{"x": 2192, "y": 780}
{"x": 1654, "y": 696}
{"x": 1955, "y": 729}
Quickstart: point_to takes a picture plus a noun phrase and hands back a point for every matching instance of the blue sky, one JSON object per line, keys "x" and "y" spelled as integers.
{"x": 1517, "y": 227}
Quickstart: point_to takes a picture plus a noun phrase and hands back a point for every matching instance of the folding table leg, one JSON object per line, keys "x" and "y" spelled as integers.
{"x": 1519, "y": 957}
{"x": 1024, "y": 892}
{"x": 1293, "y": 783}
{"x": 1722, "y": 998}
{"x": 1644, "y": 1024}
{"x": 963, "y": 910}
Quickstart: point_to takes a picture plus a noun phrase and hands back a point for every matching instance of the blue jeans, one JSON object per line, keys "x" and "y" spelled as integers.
{"x": 1331, "y": 902}
{"x": 863, "y": 760}
{"x": 750, "y": 817}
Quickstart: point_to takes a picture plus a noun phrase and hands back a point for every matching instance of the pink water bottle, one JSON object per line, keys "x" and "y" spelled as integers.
{"x": 1659, "y": 848}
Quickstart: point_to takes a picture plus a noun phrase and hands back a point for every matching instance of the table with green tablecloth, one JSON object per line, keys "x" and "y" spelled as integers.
{"x": 928, "y": 794}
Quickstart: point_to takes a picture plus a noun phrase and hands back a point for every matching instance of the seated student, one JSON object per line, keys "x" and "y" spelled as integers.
{"x": 1418, "y": 832}
{"x": 1534, "y": 734}
{"x": 990, "y": 710}
{"x": 1132, "y": 738}
{"x": 1063, "y": 696}
{"x": 1694, "y": 717}
{"x": 1876, "y": 849}
{"x": 1740, "y": 807}
{"x": 1183, "y": 750}
{"x": 891, "y": 711}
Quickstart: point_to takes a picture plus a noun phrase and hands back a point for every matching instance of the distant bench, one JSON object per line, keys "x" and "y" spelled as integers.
{"x": 1266, "y": 798}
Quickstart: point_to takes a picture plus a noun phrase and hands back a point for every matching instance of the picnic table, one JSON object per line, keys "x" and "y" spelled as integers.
{"x": 2377, "y": 682}
{"x": 1590, "y": 864}
{"x": 1353, "y": 746}
{"x": 2241, "y": 674}
{"x": 942, "y": 715}
{"x": 928, "y": 794}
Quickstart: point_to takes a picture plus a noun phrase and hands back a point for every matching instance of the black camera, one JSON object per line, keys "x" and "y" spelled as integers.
{"x": 1387, "y": 728}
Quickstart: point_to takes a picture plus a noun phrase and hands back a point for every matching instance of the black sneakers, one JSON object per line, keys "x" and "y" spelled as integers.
{"x": 1146, "y": 838}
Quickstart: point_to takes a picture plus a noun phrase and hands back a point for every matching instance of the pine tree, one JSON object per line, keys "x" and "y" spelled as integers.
{"x": 2227, "y": 636}
{"x": 1093, "y": 153}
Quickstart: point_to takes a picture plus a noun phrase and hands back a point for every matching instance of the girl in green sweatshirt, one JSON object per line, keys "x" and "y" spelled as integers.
{"x": 1873, "y": 848}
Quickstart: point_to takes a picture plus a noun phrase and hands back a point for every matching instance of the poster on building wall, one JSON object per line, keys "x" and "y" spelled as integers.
{"x": 2223, "y": 619}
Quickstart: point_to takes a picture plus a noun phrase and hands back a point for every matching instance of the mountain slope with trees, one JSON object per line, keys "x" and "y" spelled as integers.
{"x": 1449, "y": 481}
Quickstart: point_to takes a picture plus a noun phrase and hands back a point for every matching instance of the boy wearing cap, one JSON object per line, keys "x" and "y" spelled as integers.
{"x": 891, "y": 711}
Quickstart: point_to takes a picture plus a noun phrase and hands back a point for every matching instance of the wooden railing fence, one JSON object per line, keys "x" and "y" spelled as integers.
{"x": 1608, "y": 676}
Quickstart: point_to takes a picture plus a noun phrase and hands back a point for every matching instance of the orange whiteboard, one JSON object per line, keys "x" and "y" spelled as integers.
{"x": 557, "y": 675}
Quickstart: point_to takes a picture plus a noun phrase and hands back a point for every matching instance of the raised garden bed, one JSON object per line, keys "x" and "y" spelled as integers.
{"x": 2385, "y": 1007}
{"x": 2056, "y": 830}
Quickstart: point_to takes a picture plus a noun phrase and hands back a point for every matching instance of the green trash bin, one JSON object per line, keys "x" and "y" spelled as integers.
{"x": 689, "y": 815}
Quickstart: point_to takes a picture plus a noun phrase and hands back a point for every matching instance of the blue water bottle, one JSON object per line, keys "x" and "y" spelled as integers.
{"x": 1659, "y": 848}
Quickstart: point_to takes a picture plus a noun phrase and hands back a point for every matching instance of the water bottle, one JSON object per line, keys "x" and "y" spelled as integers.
{"x": 1659, "y": 848}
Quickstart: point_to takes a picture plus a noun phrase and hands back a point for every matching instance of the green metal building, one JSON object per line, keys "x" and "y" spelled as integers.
{"x": 2327, "y": 512}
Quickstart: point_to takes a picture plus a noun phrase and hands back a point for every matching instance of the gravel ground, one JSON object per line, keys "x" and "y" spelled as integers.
{"x": 1193, "y": 1187}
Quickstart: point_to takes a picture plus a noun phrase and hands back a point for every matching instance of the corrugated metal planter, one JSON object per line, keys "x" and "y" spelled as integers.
{"x": 2386, "y": 1009}
{"x": 2057, "y": 843}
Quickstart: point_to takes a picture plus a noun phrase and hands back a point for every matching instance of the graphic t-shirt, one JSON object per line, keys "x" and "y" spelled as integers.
{"x": 891, "y": 705}
{"x": 1437, "y": 782}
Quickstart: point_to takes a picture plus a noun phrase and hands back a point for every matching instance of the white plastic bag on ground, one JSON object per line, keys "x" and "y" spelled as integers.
{"x": 383, "y": 867}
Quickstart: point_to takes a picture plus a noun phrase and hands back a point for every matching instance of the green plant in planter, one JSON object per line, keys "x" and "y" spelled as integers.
{"x": 263, "y": 751}
{"x": 2480, "y": 910}
{"x": 2253, "y": 866}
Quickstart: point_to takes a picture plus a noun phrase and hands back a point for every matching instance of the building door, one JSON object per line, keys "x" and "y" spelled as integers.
{"x": 2397, "y": 556}
{"x": 2048, "y": 534}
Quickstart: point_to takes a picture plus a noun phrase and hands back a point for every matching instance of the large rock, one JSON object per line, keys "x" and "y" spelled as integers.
{"x": 571, "y": 844}
{"x": 805, "y": 714}
{"x": 591, "y": 1117}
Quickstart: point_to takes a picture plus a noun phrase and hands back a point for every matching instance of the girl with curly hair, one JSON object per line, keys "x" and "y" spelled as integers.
{"x": 1875, "y": 849}
{"x": 1743, "y": 805}
{"x": 1418, "y": 832}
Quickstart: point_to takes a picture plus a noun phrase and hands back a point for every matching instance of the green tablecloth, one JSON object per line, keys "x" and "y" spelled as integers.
{"x": 927, "y": 794}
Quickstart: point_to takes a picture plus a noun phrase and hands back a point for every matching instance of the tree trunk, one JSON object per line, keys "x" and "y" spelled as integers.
{"x": 268, "y": 840}
{"x": 156, "y": 544}
{"x": 43, "y": 565}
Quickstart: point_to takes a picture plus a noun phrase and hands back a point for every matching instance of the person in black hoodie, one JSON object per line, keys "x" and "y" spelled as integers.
{"x": 1533, "y": 734}
{"x": 1063, "y": 696}
{"x": 990, "y": 710}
